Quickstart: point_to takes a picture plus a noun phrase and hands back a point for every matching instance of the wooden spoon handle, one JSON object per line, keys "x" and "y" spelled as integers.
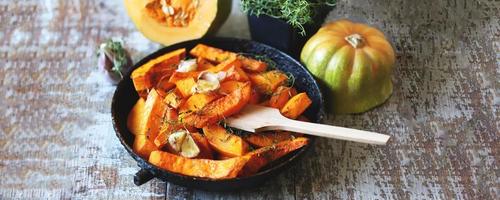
{"x": 328, "y": 131}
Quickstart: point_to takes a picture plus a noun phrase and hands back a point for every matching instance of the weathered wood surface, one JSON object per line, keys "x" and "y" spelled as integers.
{"x": 57, "y": 142}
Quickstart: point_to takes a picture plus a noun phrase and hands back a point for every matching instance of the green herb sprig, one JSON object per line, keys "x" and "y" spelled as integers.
{"x": 114, "y": 51}
{"x": 295, "y": 12}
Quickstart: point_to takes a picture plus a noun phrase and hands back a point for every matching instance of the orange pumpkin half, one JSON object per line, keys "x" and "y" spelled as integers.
{"x": 354, "y": 61}
{"x": 172, "y": 21}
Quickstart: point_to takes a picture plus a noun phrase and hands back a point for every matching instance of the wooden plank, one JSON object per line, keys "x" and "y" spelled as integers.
{"x": 56, "y": 135}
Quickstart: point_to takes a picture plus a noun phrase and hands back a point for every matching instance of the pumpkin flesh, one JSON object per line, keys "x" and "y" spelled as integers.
{"x": 191, "y": 19}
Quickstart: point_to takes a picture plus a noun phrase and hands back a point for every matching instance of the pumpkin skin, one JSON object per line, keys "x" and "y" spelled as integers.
{"x": 354, "y": 61}
{"x": 209, "y": 16}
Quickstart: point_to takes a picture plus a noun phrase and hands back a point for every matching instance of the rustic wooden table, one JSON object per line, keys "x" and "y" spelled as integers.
{"x": 57, "y": 141}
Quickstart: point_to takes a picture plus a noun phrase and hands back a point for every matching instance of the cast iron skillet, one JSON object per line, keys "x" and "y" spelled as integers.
{"x": 125, "y": 97}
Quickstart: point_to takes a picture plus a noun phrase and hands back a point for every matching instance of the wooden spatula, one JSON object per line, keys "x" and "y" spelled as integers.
{"x": 255, "y": 118}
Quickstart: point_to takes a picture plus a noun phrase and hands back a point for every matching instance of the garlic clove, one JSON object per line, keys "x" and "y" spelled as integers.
{"x": 203, "y": 86}
{"x": 176, "y": 139}
{"x": 213, "y": 77}
{"x": 208, "y": 81}
{"x": 189, "y": 149}
{"x": 187, "y": 65}
{"x": 183, "y": 143}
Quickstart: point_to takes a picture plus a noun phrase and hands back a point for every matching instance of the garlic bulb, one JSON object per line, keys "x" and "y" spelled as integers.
{"x": 113, "y": 60}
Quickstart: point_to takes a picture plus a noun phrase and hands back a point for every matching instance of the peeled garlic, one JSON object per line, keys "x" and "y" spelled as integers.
{"x": 213, "y": 77}
{"x": 183, "y": 143}
{"x": 203, "y": 86}
{"x": 208, "y": 81}
{"x": 189, "y": 149}
{"x": 187, "y": 66}
{"x": 176, "y": 139}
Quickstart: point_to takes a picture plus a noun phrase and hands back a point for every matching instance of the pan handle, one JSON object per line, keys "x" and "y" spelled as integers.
{"x": 142, "y": 176}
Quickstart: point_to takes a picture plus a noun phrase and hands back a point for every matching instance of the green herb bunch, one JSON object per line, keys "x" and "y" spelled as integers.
{"x": 295, "y": 12}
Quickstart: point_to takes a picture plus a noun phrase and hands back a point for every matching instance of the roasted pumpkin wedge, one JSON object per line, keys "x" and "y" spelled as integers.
{"x": 225, "y": 143}
{"x": 143, "y": 146}
{"x": 214, "y": 169}
{"x": 205, "y": 149}
{"x": 203, "y": 64}
{"x": 232, "y": 70}
{"x": 213, "y": 54}
{"x": 267, "y": 82}
{"x": 177, "y": 76}
{"x": 218, "y": 55}
{"x": 172, "y": 21}
{"x": 174, "y": 99}
{"x": 219, "y": 109}
{"x": 296, "y": 106}
{"x": 134, "y": 120}
{"x": 152, "y": 114}
{"x": 269, "y": 138}
{"x": 168, "y": 125}
{"x": 253, "y": 65}
{"x": 229, "y": 62}
{"x": 148, "y": 75}
{"x": 281, "y": 96}
{"x": 261, "y": 157}
{"x": 185, "y": 86}
{"x": 197, "y": 101}
{"x": 163, "y": 86}
{"x": 230, "y": 86}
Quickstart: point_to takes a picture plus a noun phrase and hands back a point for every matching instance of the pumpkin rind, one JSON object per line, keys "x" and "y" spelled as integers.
{"x": 354, "y": 61}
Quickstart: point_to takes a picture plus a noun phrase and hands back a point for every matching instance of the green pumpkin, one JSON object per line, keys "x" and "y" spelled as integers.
{"x": 354, "y": 61}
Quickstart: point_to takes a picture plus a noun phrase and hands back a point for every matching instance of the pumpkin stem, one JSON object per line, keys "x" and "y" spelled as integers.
{"x": 355, "y": 40}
